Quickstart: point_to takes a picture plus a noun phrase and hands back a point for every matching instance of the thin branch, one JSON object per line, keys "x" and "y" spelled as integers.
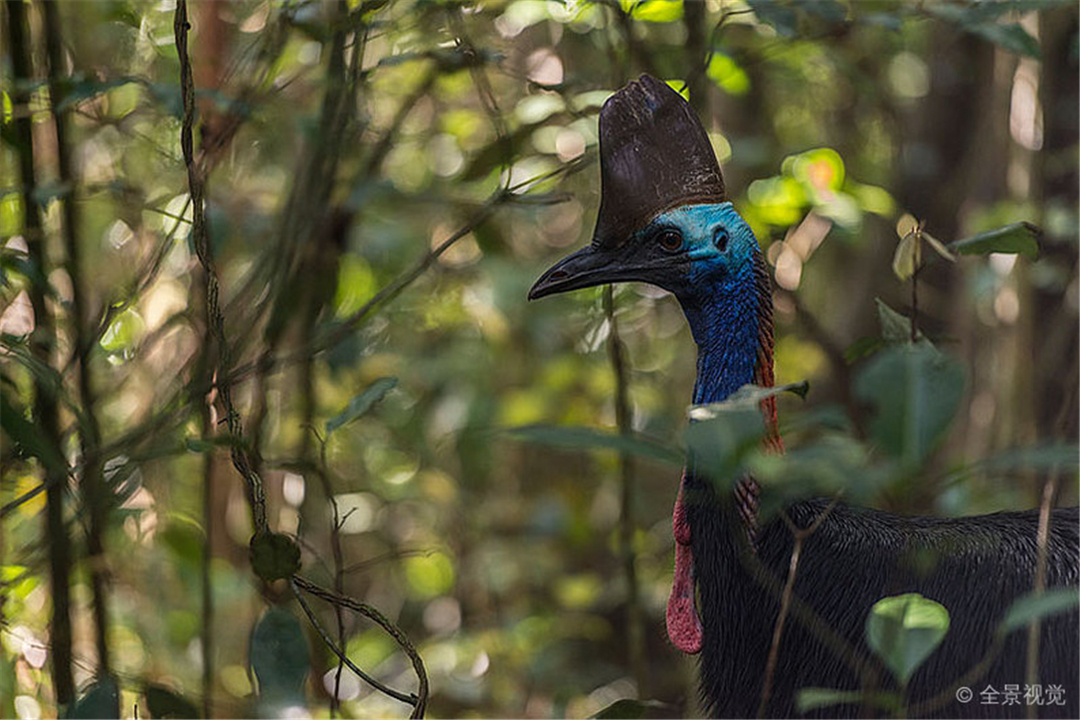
{"x": 418, "y": 701}
{"x": 785, "y": 599}
{"x": 1042, "y": 540}
{"x": 201, "y": 240}
{"x": 635, "y": 636}
{"x": 92, "y": 481}
{"x": 42, "y": 345}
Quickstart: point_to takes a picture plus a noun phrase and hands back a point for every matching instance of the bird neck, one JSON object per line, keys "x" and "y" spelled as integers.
{"x": 725, "y": 319}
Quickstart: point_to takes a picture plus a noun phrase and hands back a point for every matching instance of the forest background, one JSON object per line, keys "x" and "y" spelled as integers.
{"x": 374, "y": 186}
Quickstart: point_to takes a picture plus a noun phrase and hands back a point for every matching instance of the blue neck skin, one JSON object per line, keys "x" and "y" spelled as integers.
{"x": 719, "y": 296}
{"x": 723, "y": 320}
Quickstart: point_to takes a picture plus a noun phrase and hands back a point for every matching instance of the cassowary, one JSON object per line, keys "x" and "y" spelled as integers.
{"x": 664, "y": 219}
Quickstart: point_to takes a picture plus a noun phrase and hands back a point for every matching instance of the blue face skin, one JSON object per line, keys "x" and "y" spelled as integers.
{"x": 717, "y": 288}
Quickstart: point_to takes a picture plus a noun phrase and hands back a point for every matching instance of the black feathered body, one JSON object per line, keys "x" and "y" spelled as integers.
{"x": 974, "y": 566}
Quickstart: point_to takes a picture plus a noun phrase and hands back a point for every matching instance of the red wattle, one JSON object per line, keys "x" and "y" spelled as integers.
{"x": 683, "y": 626}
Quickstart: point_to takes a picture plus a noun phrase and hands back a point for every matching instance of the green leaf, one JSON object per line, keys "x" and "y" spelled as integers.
{"x": 1038, "y": 606}
{"x": 101, "y": 699}
{"x": 747, "y": 397}
{"x": 721, "y": 445}
{"x": 1021, "y": 238}
{"x": 658, "y": 11}
{"x": 164, "y": 703}
{"x": 915, "y": 392}
{"x": 631, "y": 709}
{"x": 1011, "y": 37}
{"x": 813, "y": 698}
{"x": 273, "y": 555}
{"x": 279, "y": 657}
{"x": 728, "y": 76}
{"x": 826, "y": 466}
{"x": 895, "y": 328}
{"x": 903, "y": 630}
{"x": 582, "y": 438}
{"x": 29, "y": 438}
{"x": 906, "y": 259}
{"x": 363, "y": 402}
{"x": 779, "y": 15}
{"x": 978, "y": 19}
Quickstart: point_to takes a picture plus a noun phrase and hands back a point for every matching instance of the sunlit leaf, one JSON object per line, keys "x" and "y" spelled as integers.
{"x": 906, "y": 260}
{"x": 1021, "y": 238}
{"x": 903, "y": 630}
{"x": 938, "y": 247}
{"x": 659, "y": 11}
{"x": 728, "y": 76}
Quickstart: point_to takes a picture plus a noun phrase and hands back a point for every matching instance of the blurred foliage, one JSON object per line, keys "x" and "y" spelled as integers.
{"x": 497, "y": 551}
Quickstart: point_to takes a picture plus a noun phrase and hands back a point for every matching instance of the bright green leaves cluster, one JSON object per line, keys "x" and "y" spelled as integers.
{"x": 813, "y": 180}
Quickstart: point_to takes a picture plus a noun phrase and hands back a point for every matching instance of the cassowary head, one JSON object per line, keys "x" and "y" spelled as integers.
{"x": 664, "y": 217}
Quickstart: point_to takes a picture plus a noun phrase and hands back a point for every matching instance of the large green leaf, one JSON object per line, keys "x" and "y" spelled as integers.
{"x": 1037, "y": 606}
{"x": 721, "y": 444}
{"x": 101, "y": 699}
{"x": 1021, "y": 238}
{"x": 903, "y": 630}
{"x": 914, "y": 391}
{"x": 279, "y": 657}
{"x": 895, "y": 328}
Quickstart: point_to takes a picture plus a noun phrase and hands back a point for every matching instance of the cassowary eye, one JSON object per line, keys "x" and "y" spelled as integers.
{"x": 670, "y": 240}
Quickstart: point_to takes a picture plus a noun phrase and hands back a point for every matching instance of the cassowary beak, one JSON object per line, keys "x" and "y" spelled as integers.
{"x": 587, "y": 267}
